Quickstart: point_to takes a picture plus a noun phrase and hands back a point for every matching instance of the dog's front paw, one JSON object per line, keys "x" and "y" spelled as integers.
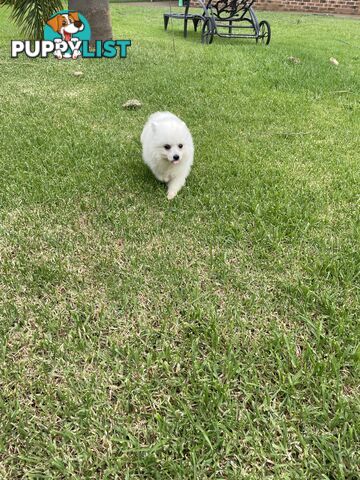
{"x": 171, "y": 195}
{"x": 58, "y": 54}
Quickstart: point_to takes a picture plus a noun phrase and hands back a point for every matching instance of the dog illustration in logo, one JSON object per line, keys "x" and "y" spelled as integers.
{"x": 66, "y": 25}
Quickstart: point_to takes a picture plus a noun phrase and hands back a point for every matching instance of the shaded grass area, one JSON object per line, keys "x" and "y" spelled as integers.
{"x": 215, "y": 336}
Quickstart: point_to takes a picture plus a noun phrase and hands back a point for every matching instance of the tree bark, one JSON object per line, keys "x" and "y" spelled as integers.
{"x": 97, "y": 13}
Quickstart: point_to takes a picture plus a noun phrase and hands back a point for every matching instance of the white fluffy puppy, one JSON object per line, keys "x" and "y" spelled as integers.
{"x": 168, "y": 150}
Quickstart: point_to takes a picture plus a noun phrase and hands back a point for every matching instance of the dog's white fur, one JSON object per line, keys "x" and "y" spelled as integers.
{"x": 170, "y": 165}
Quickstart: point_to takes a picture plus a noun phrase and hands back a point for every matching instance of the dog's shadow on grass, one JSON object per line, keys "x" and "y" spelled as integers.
{"x": 139, "y": 178}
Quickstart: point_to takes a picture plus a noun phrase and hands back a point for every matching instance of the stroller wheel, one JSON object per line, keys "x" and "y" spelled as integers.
{"x": 207, "y": 34}
{"x": 264, "y": 33}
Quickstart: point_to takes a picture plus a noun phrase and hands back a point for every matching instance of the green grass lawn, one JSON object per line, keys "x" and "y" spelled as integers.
{"x": 214, "y": 336}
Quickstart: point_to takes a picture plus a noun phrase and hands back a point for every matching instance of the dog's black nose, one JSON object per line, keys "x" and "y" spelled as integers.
{"x": 176, "y": 157}
{"x": 77, "y": 23}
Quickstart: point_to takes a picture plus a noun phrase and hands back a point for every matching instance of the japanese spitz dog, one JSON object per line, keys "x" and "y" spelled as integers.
{"x": 168, "y": 150}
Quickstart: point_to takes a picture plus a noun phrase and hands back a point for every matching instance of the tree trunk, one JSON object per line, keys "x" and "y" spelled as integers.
{"x": 97, "y": 13}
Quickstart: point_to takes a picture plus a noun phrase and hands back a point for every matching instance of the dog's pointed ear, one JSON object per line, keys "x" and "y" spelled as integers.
{"x": 54, "y": 23}
{"x": 154, "y": 126}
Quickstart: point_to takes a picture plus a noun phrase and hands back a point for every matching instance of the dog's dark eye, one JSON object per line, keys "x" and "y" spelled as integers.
{"x": 167, "y": 147}
{"x": 180, "y": 145}
{"x": 64, "y": 23}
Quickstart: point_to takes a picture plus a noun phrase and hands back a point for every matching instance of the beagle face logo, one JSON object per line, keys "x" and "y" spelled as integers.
{"x": 67, "y": 27}
{"x": 66, "y": 24}
{"x": 67, "y": 34}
